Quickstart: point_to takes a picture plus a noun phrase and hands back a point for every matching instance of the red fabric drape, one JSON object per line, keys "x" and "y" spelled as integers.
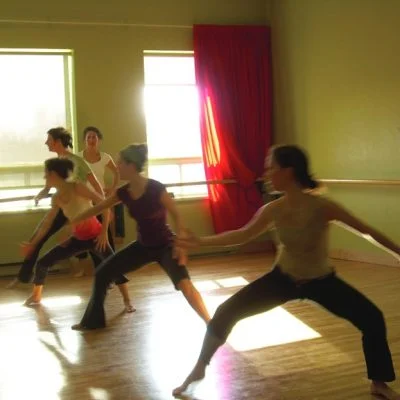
{"x": 233, "y": 74}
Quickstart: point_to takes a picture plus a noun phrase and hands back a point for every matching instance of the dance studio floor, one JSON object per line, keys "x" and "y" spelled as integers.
{"x": 294, "y": 352}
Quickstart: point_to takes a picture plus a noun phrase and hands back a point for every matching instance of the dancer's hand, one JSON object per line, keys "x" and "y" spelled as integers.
{"x": 180, "y": 255}
{"x": 186, "y": 240}
{"x": 41, "y": 195}
{"x": 102, "y": 241}
{"x": 27, "y": 248}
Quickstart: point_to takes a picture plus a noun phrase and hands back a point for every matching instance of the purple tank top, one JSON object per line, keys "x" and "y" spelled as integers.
{"x": 149, "y": 213}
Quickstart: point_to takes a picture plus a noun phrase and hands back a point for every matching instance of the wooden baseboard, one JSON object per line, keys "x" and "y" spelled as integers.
{"x": 354, "y": 255}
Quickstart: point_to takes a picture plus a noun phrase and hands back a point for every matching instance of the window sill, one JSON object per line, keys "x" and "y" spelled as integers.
{"x": 180, "y": 199}
{"x": 14, "y": 209}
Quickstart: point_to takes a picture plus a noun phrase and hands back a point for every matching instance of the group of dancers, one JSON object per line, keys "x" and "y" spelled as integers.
{"x": 302, "y": 269}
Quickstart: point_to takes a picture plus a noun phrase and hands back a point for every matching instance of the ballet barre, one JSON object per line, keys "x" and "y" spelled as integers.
{"x": 20, "y": 198}
{"x": 386, "y": 182}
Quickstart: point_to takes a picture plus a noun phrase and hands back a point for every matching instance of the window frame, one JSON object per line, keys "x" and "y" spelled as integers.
{"x": 70, "y": 111}
{"x": 176, "y": 161}
{"x": 29, "y": 169}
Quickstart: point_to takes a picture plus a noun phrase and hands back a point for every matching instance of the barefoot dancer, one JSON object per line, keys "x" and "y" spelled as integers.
{"x": 59, "y": 140}
{"x": 72, "y": 198}
{"x": 148, "y": 203}
{"x": 302, "y": 269}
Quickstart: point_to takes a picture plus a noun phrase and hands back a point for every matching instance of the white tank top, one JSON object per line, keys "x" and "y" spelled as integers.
{"x": 303, "y": 248}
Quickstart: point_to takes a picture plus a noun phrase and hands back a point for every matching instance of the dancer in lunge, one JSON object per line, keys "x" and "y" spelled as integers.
{"x": 302, "y": 269}
{"x": 148, "y": 203}
{"x": 71, "y": 198}
{"x": 59, "y": 140}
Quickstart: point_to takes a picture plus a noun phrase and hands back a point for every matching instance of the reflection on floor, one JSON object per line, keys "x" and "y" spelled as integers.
{"x": 298, "y": 351}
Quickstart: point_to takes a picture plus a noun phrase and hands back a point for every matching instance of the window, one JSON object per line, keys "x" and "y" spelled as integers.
{"x": 172, "y": 123}
{"x": 36, "y": 94}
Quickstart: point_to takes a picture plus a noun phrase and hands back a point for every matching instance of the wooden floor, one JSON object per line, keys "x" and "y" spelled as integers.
{"x": 146, "y": 354}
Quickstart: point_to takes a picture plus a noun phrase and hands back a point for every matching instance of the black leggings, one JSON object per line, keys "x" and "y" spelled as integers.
{"x": 26, "y": 269}
{"x": 130, "y": 258}
{"x": 341, "y": 299}
{"x": 66, "y": 250}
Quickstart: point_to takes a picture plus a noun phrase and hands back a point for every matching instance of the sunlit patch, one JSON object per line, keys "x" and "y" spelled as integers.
{"x": 16, "y": 309}
{"x": 61, "y": 301}
{"x": 205, "y": 285}
{"x": 23, "y": 357}
{"x": 232, "y": 282}
{"x": 271, "y": 328}
{"x": 98, "y": 394}
{"x": 65, "y": 349}
{"x": 218, "y": 283}
{"x": 12, "y": 309}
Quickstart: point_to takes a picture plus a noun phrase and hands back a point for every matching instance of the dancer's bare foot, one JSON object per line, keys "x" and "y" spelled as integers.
{"x": 129, "y": 307}
{"x": 32, "y": 300}
{"x": 197, "y": 373}
{"x": 383, "y": 390}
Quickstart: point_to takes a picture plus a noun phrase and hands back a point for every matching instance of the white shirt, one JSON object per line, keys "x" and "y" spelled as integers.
{"x": 99, "y": 167}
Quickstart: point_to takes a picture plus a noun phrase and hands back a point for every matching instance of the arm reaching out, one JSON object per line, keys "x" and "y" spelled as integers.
{"x": 97, "y": 209}
{"x": 29, "y": 246}
{"x": 338, "y": 214}
{"x": 259, "y": 224}
{"x": 41, "y": 195}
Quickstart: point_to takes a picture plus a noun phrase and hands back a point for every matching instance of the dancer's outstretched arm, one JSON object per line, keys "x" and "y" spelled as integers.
{"x": 260, "y": 223}
{"x": 41, "y": 195}
{"x": 97, "y": 209}
{"x": 29, "y": 246}
{"x": 336, "y": 213}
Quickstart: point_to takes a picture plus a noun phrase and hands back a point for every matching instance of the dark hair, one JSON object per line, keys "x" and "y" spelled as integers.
{"x": 92, "y": 129}
{"x": 62, "y": 135}
{"x": 290, "y": 156}
{"x": 135, "y": 154}
{"x": 63, "y": 167}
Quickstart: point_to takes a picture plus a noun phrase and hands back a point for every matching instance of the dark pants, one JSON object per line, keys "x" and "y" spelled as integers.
{"x": 26, "y": 269}
{"x": 276, "y": 288}
{"x": 130, "y": 258}
{"x": 66, "y": 250}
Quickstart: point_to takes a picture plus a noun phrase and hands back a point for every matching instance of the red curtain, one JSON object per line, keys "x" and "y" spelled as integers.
{"x": 233, "y": 74}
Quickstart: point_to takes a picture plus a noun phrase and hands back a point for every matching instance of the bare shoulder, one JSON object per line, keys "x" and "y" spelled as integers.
{"x": 270, "y": 209}
{"x": 332, "y": 209}
{"x": 275, "y": 205}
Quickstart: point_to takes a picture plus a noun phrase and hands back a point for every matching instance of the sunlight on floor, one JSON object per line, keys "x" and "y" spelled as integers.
{"x": 172, "y": 337}
{"x": 17, "y": 308}
{"x": 34, "y": 342}
{"x": 232, "y": 282}
{"x": 220, "y": 283}
{"x": 98, "y": 394}
{"x": 271, "y": 328}
{"x": 203, "y": 286}
{"x": 62, "y": 301}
